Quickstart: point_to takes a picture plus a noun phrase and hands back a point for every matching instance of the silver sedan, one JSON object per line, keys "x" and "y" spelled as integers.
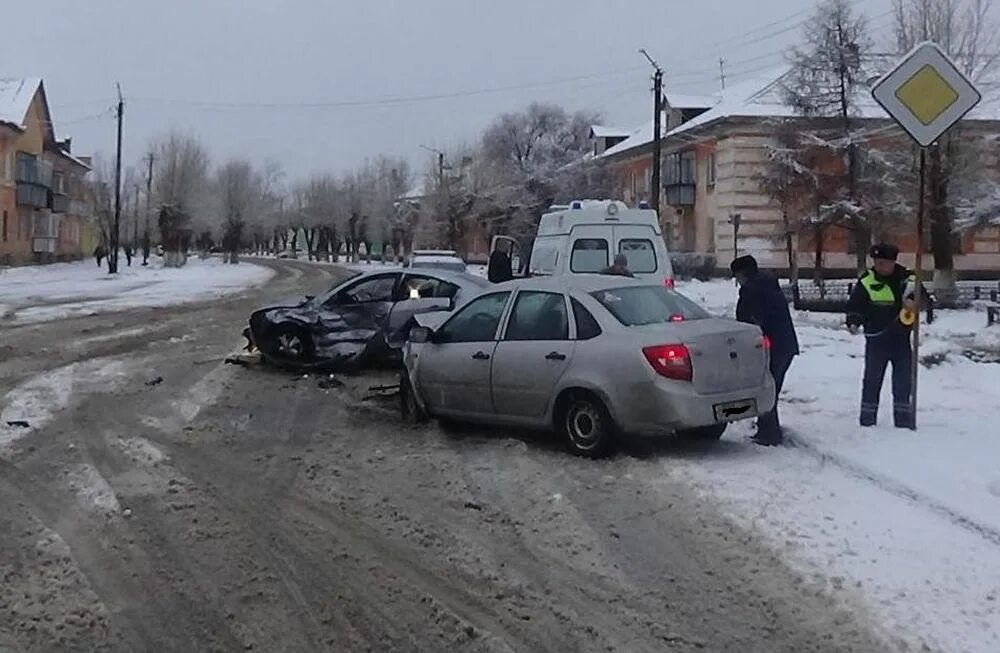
{"x": 590, "y": 357}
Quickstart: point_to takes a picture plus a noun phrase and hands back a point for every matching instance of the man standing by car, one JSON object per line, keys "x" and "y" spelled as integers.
{"x": 499, "y": 269}
{"x": 877, "y": 303}
{"x": 763, "y": 303}
{"x": 619, "y": 267}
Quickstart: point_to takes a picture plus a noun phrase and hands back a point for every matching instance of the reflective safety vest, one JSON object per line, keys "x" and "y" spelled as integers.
{"x": 878, "y": 292}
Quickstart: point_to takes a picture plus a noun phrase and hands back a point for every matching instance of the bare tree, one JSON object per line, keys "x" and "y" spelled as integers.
{"x": 180, "y": 182}
{"x": 967, "y": 31}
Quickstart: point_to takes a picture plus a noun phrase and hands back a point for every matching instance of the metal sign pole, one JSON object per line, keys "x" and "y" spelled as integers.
{"x": 919, "y": 287}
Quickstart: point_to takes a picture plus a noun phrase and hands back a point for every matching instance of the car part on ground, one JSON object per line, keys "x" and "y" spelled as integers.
{"x": 589, "y": 357}
{"x": 361, "y": 320}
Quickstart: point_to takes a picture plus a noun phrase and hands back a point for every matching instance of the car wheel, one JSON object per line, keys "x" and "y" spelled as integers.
{"x": 587, "y": 426}
{"x": 703, "y": 433}
{"x": 410, "y": 410}
{"x": 292, "y": 343}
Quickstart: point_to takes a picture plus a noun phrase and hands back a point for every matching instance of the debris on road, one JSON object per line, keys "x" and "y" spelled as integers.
{"x": 330, "y": 382}
{"x": 157, "y": 381}
{"x": 236, "y": 360}
{"x": 19, "y": 424}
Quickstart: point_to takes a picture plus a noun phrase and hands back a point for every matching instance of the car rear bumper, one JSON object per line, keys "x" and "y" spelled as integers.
{"x": 662, "y": 407}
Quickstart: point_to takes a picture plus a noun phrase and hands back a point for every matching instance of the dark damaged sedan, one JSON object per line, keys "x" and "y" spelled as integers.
{"x": 362, "y": 320}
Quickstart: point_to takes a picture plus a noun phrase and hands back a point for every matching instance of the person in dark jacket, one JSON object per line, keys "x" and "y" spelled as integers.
{"x": 619, "y": 267}
{"x": 763, "y": 303}
{"x": 499, "y": 269}
{"x": 875, "y": 304}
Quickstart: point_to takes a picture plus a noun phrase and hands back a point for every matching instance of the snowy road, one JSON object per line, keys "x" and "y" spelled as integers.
{"x": 230, "y": 508}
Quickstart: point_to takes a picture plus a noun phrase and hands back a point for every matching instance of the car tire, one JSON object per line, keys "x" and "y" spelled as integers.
{"x": 411, "y": 411}
{"x": 703, "y": 433}
{"x": 587, "y": 426}
{"x": 292, "y": 344}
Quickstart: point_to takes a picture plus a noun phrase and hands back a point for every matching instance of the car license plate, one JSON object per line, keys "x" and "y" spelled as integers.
{"x": 734, "y": 411}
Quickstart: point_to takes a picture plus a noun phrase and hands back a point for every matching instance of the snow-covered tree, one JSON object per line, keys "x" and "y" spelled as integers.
{"x": 827, "y": 78}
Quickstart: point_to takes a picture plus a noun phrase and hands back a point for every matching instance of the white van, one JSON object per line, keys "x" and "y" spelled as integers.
{"x": 584, "y": 237}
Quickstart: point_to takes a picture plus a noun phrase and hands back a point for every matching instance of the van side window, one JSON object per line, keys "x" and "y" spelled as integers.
{"x": 544, "y": 260}
{"x": 589, "y": 255}
{"x": 640, "y": 253}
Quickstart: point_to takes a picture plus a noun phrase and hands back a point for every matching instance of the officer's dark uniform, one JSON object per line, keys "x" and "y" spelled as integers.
{"x": 875, "y": 304}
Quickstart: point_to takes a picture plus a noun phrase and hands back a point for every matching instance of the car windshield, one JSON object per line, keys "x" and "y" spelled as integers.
{"x": 641, "y": 305}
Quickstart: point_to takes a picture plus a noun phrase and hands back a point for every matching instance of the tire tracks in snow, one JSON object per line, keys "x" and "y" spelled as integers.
{"x": 896, "y": 488}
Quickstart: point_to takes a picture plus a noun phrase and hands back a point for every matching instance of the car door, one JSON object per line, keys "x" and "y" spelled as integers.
{"x": 454, "y": 368}
{"x": 418, "y": 293}
{"x": 362, "y": 305}
{"x": 533, "y": 355}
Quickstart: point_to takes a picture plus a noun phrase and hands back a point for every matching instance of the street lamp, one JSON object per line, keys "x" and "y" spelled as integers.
{"x": 736, "y": 219}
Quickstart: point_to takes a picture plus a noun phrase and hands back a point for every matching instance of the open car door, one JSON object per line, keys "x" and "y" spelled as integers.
{"x": 513, "y": 250}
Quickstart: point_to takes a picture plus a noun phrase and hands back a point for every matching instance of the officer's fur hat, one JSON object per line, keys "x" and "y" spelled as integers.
{"x": 885, "y": 252}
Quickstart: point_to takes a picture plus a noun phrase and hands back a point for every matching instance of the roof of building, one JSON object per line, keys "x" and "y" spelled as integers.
{"x": 15, "y": 99}
{"x": 682, "y": 101}
{"x": 763, "y": 96}
{"x": 637, "y": 138}
{"x": 600, "y": 131}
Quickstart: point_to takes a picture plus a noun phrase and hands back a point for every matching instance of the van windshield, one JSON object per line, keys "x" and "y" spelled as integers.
{"x": 640, "y": 254}
{"x": 641, "y": 305}
{"x": 589, "y": 255}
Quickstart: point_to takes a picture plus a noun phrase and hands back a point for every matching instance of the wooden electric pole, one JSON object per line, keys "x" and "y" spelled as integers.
{"x": 149, "y": 194}
{"x": 654, "y": 192}
{"x": 116, "y": 230}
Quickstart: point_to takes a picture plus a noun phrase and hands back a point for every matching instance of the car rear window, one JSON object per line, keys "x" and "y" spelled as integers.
{"x": 640, "y": 305}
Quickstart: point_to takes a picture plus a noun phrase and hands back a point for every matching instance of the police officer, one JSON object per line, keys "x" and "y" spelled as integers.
{"x": 763, "y": 303}
{"x": 876, "y": 304}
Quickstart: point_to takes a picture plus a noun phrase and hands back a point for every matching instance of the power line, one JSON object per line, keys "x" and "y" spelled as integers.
{"x": 385, "y": 101}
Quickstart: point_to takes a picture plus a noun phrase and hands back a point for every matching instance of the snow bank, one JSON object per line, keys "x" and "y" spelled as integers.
{"x": 52, "y": 292}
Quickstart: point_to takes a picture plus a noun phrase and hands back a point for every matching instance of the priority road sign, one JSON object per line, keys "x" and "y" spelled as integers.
{"x": 926, "y": 93}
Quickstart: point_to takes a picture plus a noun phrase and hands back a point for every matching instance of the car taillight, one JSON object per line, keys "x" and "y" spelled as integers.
{"x": 764, "y": 340}
{"x": 671, "y": 361}
{"x": 676, "y": 317}
{"x": 668, "y": 283}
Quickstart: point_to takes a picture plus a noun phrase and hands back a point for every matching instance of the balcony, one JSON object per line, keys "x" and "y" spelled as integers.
{"x": 680, "y": 194}
{"x": 60, "y": 203}
{"x": 32, "y": 195}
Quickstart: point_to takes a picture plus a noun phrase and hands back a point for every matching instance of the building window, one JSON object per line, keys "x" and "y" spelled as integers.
{"x": 681, "y": 169}
{"x": 710, "y": 173}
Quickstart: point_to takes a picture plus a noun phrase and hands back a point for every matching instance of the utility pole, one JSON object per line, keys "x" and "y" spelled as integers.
{"x": 722, "y": 72}
{"x": 149, "y": 194}
{"x": 134, "y": 245}
{"x": 116, "y": 231}
{"x": 654, "y": 194}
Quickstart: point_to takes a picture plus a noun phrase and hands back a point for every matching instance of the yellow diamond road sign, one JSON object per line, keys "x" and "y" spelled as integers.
{"x": 926, "y": 93}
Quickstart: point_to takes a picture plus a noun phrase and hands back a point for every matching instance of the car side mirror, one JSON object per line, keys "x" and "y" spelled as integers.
{"x": 421, "y": 335}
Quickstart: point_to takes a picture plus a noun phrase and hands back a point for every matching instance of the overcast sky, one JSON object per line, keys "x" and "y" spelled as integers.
{"x": 233, "y": 71}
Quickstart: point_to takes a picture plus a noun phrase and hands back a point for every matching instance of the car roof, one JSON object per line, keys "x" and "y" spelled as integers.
{"x": 444, "y": 275}
{"x": 580, "y": 282}
{"x": 435, "y": 252}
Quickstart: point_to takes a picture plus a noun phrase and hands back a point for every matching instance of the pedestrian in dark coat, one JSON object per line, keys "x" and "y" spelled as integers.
{"x": 99, "y": 253}
{"x": 499, "y": 268}
{"x": 875, "y": 304}
{"x": 619, "y": 267}
{"x": 763, "y": 303}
